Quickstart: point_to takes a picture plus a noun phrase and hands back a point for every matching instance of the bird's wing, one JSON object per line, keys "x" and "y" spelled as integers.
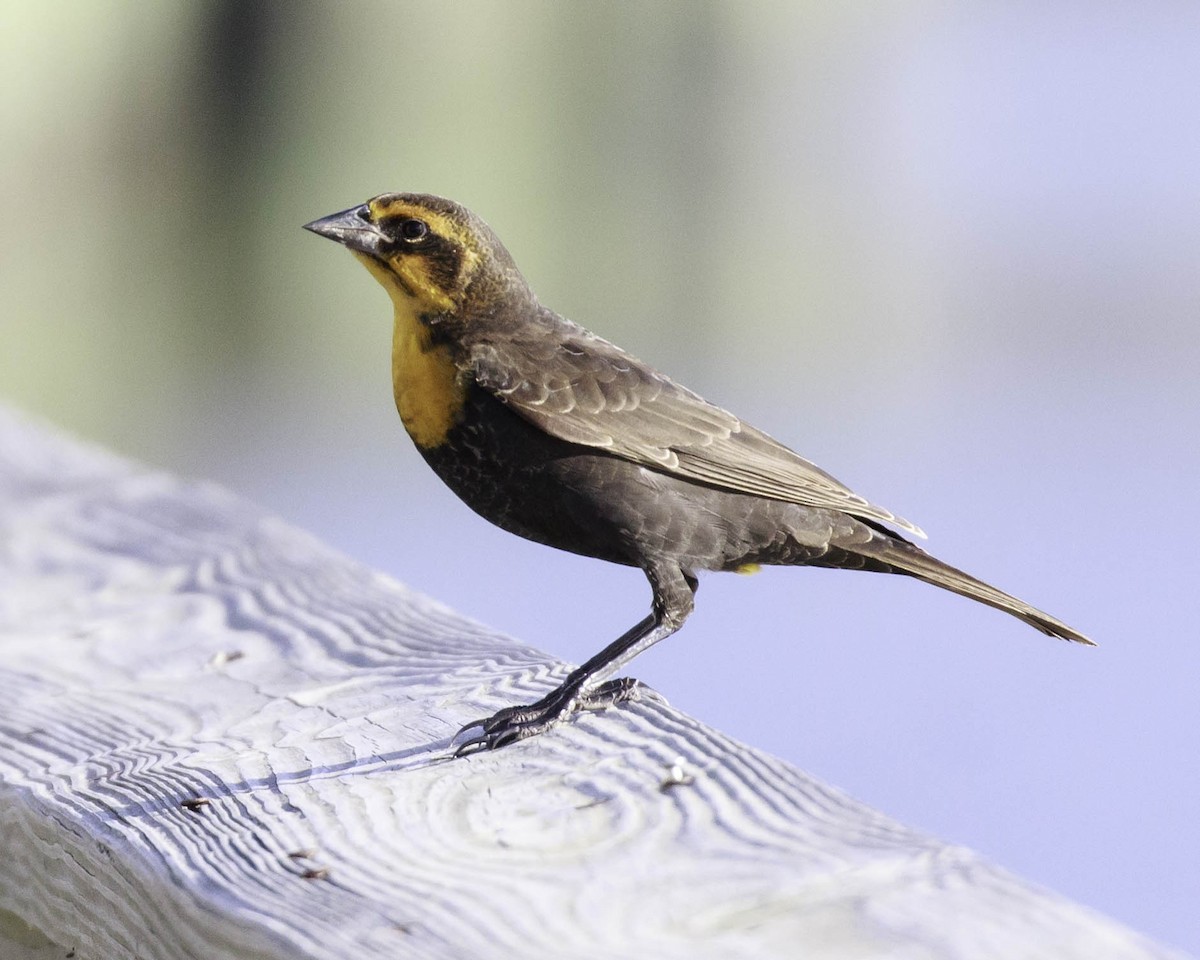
{"x": 585, "y": 390}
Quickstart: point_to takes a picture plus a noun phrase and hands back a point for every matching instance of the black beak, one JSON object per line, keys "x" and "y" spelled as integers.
{"x": 352, "y": 228}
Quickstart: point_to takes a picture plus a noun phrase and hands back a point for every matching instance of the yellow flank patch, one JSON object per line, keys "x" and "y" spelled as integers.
{"x": 747, "y": 568}
{"x": 425, "y": 382}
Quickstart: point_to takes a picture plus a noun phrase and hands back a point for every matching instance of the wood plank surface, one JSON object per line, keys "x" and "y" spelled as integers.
{"x": 221, "y": 739}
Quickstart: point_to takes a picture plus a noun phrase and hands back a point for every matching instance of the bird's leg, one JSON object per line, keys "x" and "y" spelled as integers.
{"x": 585, "y": 687}
{"x": 516, "y": 723}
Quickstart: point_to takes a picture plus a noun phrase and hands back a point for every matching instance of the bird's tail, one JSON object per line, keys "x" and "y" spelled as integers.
{"x": 904, "y": 557}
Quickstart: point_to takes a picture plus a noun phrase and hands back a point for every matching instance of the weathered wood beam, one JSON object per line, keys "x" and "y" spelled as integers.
{"x": 220, "y": 739}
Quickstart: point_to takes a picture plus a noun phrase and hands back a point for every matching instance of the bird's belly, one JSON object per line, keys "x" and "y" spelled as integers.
{"x": 529, "y": 483}
{"x": 588, "y": 502}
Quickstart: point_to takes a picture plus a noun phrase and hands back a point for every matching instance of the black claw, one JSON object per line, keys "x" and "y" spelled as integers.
{"x": 521, "y": 722}
{"x": 498, "y": 719}
{"x": 469, "y": 747}
{"x": 498, "y": 737}
{"x": 463, "y": 729}
{"x": 614, "y": 691}
{"x": 502, "y": 727}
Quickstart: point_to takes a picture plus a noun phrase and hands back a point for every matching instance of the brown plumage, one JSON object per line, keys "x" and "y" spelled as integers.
{"x": 561, "y": 437}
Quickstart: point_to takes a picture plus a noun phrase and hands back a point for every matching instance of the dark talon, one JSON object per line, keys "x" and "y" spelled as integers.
{"x": 621, "y": 690}
{"x": 511, "y": 724}
{"x": 468, "y": 747}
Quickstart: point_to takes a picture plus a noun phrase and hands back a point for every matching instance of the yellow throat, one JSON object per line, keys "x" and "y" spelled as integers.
{"x": 430, "y": 391}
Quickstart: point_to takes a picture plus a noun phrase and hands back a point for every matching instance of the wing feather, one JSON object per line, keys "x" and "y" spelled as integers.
{"x": 585, "y": 390}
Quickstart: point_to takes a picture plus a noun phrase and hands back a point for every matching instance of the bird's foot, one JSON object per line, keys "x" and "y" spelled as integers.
{"x": 519, "y": 723}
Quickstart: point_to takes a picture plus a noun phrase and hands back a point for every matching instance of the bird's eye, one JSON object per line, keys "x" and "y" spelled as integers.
{"x": 414, "y": 230}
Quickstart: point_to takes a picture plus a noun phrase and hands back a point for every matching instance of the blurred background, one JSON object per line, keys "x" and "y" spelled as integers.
{"x": 948, "y": 251}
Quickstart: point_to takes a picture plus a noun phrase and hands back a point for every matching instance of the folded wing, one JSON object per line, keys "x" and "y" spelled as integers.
{"x": 582, "y": 389}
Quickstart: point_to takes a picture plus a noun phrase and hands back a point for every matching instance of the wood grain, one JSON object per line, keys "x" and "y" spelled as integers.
{"x": 220, "y": 739}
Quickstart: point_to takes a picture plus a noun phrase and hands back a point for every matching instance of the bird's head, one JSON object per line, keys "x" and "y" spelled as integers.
{"x": 433, "y": 256}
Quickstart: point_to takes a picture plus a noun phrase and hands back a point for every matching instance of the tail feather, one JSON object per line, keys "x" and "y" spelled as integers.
{"x": 907, "y": 558}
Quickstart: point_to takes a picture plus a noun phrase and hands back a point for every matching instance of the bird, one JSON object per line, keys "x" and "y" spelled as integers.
{"x": 563, "y": 438}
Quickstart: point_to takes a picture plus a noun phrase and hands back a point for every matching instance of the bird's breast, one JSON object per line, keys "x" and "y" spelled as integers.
{"x": 429, "y": 391}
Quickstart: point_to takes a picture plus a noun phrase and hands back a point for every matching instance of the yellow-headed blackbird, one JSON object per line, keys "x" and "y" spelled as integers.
{"x": 563, "y": 438}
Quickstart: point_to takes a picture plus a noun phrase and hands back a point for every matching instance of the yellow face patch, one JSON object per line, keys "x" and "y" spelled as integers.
{"x": 382, "y": 208}
{"x": 415, "y": 272}
{"x": 426, "y": 383}
{"x": 414, "y": 275}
